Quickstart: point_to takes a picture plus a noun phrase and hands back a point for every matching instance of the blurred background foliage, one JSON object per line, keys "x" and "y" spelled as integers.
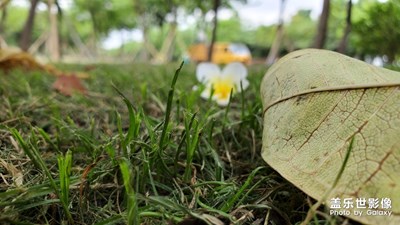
{"x": 159, "y": 31}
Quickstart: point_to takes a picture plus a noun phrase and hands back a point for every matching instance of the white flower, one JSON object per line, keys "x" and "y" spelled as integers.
{"x": 220, "y": 83}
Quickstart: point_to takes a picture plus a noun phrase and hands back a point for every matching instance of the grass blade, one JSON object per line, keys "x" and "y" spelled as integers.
{"x": 133, "y": 216}
{"x": 134, "y": 123}
{"x": 169, "y": 108}
{"x": 64, "y": 168}
{"x": 312, "y": 210}
{"x": 229, "y": 204}
{"x": 37, "y": 160}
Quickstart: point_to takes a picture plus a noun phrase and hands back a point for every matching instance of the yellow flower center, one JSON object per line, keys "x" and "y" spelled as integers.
{"x": 222, "y": 87}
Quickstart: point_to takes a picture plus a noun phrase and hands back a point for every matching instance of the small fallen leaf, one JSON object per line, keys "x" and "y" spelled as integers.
{"x": 67, "y": 85}
{"x": 315, "y": 102}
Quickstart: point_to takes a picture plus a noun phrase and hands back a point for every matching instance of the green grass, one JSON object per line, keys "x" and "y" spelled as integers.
{"x": 141, "y": 148}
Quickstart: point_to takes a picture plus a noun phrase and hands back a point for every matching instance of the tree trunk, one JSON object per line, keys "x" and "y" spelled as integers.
{"x": 274, "y": 51}
{"x": 92, "y": 41}
{"x": 144, "y": 54}
{"x": 76, "y": 39}
{"x": 217, "y": 3}
{"x": 4, "y": 3}
{"x": 148, "y": 49}
{"x": 343, "y": 43}
{"x": 166, "y": 51}
{"x": 319, "y": 41}
{"x": 3, "y": 20}
{"x": 34, "y": 47}
{"x": 26, "y": 35}
{"x": 3, "y": 8}
{"x": 53, "y": 45}
{"x": 173, "y": 33}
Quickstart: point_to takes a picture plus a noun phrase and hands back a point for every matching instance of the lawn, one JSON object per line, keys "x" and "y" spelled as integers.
{"x": 137, "y": 149}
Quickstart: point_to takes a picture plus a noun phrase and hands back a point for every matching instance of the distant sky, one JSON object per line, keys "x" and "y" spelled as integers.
{"x": 265, "y": 12}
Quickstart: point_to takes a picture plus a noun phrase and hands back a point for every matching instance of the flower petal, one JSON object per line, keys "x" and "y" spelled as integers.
{"x": 236, "y": 70}
{"x": 245, "y": 85}
{"x": 206, "y": 91}
{"x": 205, "y": 94}
{"x": 222, "y": 101}
{"x": 238, "y": 73}
{"x": 205, "y": 71}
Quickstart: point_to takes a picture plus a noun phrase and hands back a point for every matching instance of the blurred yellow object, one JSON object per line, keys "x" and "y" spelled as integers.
{"x": 12, "y": 58}
{"x": 223, "y": 53}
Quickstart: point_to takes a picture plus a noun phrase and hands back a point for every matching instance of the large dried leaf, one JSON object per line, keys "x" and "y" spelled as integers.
{"x": 315, "y": 102}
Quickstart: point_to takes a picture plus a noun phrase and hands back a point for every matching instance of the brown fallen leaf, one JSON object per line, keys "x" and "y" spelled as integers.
{"x": 67, "y": 85}
{"x": 13, "y": 58}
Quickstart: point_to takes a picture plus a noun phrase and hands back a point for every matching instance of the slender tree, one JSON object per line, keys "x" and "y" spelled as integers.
{"x": 26, "y": 36}
{"x": 320, "y": 38}
{"x": 3, "y": 19}
{"x": 166, "y": 51}
{"x": 274, "y": 51}
{"x": 4, "y": 3}
{"x": 153, "y": 13}
{"x": 216, "y": 5}
{"x": 3, "y": 8}
{"x": 104, "y": 16}
{"x": 143, "y": 25}
{"x": 343, "y": 42}
{"x": 53, "y": 45}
